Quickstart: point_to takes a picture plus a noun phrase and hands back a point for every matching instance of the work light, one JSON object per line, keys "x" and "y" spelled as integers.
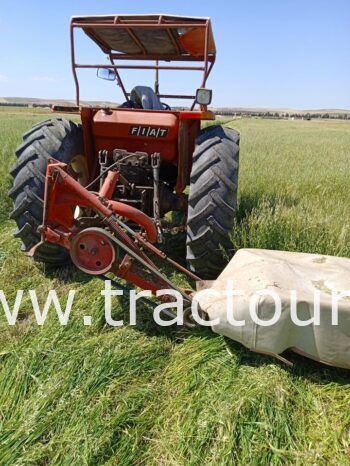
{"x": 204, "y": 96}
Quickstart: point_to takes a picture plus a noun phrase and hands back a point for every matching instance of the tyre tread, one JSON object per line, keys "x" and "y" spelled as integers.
{"x": 49, "y": 139}
{"x": 212, "y": 199}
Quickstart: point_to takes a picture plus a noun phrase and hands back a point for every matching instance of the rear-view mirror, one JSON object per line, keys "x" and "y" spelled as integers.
{"x": 106, "y": 73}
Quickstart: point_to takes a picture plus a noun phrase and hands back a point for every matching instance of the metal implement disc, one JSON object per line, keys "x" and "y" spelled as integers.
{"x": 92, "y": 251}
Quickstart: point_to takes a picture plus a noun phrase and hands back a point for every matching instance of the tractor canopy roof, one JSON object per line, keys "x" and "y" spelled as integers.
{"x": 151, "y": 37}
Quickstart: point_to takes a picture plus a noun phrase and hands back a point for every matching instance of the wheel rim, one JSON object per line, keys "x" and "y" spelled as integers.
{"x": 92, "y": 252}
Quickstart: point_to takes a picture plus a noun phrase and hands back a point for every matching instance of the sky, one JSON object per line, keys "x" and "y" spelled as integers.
{"x": 270, "y": 53}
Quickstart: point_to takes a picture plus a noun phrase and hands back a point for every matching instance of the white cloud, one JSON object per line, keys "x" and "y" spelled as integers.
{"x": 44, "y": 78}
{"x": 3, "y": 78}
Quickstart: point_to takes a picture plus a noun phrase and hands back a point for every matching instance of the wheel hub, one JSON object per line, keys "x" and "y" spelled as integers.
{"x": 92, "y": 251}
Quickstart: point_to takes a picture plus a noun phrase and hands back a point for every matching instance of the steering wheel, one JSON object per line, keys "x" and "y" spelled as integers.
{"x": 165, "y": 106}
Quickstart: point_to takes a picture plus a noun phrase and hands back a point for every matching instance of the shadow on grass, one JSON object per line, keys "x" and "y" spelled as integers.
{"x": 303, "y": 367}
{"x": 317, "y": 372}
{"x": 66, "y": 274}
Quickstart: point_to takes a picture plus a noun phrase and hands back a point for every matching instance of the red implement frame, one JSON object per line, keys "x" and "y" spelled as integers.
{"x": 153, "y": 22}
{"x": 63, "y": 193}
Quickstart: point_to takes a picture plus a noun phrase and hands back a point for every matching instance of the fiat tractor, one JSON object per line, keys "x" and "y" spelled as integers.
{"x": 98, "y": 193}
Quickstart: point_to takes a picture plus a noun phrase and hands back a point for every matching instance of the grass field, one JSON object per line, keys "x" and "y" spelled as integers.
{"x": 98, "y": 395}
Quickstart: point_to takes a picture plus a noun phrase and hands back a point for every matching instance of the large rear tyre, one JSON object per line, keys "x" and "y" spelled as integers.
{"x": 57, "y": 139}
{"x": 212, "y": 200}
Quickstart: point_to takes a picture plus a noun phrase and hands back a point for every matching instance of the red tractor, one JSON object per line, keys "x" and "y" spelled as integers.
{"x": 97, "y": 192}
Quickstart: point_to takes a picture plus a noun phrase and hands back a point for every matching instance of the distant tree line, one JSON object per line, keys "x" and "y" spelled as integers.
{"x": 283, "y": 115}
{"x": 18, "y": 104}
{"x": 231, "y": 113}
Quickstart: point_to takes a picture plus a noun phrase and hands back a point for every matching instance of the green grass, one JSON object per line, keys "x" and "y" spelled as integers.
{"x": 146, "y": 395}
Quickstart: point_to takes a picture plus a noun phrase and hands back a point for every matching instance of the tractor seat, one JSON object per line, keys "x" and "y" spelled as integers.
{"x": 146, "y": 98}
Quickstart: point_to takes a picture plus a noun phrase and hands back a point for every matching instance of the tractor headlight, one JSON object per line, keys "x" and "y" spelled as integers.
{"x": 204, "y": 96}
